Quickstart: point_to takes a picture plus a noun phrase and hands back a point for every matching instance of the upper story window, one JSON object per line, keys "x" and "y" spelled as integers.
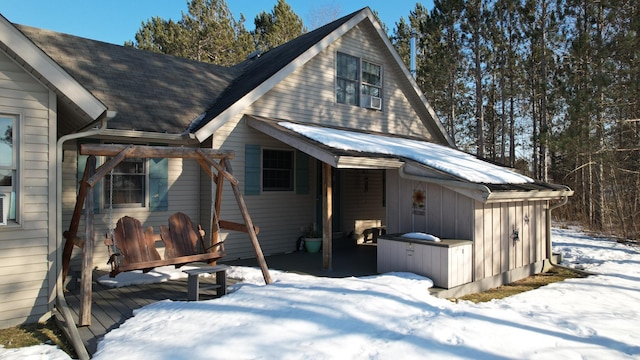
{"x": 358, "y": 82}
{"x": 277, "y": 170}
{"x": 8, "y": 167}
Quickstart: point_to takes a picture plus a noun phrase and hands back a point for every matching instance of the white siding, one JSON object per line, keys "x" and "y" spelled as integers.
{"x": 25, "y": 281}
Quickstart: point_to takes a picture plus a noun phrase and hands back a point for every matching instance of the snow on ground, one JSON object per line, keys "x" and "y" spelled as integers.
{"x": 392, "y": 315}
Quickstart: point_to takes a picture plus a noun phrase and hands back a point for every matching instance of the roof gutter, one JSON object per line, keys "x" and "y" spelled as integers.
{"x": 70, "y": 328}
{"x": 444, "y": 182}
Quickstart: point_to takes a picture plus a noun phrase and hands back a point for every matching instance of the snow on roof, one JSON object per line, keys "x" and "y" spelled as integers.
{"x": 442, "y": 158}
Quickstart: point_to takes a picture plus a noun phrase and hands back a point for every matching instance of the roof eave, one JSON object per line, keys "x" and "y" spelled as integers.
{"x": 208, "y": 129}
{"x": 32, "y": 58}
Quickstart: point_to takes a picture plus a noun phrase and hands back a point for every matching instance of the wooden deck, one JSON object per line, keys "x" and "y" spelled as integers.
{"x": 112, "y": 306}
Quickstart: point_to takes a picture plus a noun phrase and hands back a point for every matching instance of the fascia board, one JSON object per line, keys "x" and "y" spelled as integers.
{"x": 25, "y": 50}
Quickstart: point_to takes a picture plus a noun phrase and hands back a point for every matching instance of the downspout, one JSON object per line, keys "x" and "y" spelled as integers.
{"x": 61, "y": 302}
{"x": 547, "y": 211}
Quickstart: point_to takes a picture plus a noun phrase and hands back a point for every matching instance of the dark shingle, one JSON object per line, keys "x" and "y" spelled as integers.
{"x": 150, "y": 91}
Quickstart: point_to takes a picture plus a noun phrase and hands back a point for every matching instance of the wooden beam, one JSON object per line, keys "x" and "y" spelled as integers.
{"x": 109, "y": 165}
{"x": 234, "y": 226}
{"x": 215, "y": 233}
{"x": 250, "y": 229}
{"x": 207, "y": 169}
{"x": 72, "y": 233}
{"x": 327, "y": 215}
{"x": 143, "y": 151}
{"x": 84, "y": 318}
{"x": 221, "y": 170}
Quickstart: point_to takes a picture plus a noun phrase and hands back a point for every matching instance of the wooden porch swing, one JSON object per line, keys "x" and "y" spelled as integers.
{"x": 135, "y": 248}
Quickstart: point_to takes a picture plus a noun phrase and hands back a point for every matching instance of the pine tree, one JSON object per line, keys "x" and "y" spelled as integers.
{"x": 207, "y": 32}
{"x": 279, "y": 26}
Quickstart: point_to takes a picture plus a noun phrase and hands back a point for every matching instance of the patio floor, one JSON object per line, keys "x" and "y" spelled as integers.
{"x": 112, "y": 306}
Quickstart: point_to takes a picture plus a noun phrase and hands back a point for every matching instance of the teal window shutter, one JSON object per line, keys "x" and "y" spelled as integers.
{"x": 302, "y": 173}
{"x": 158, "y": 184}
{"x": 252, "y": 167}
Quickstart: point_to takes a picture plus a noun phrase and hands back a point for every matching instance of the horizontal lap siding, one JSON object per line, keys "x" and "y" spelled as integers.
{"x": 25, "y": 286}
{"x": 184, "y": 182}
{"x": 308, "y": 95}
{"x": 279, "y": 215}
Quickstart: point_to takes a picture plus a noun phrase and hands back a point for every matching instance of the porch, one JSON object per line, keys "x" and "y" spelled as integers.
{"x": 113, "y": 306}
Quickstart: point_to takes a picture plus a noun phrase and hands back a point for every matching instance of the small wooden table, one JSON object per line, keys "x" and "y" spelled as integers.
{"x": 193, "y": 281}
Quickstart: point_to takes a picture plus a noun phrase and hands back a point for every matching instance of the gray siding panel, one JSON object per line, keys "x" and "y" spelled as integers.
{"x": 25, "y": 287}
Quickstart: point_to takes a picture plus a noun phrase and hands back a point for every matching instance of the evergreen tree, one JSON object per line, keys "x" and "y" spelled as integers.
{"x": 207, "y": 32}
{"x": 279, "y": 26}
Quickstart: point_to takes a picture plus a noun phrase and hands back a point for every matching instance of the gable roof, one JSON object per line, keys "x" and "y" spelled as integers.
{"x": 38, "y": 63}
{"x": 141, "y": 86}
{"x": 262, "y": 73}
{"x": 160, "y": 93}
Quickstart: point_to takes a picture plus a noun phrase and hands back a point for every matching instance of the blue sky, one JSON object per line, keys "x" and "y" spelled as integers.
{"x": 116, "y": 21}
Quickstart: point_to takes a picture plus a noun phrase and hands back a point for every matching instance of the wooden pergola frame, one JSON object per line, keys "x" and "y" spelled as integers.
{"x": 205, "y": 157}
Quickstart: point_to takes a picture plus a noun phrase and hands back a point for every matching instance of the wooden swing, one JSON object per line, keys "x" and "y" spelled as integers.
{"x": 183, "y": 243}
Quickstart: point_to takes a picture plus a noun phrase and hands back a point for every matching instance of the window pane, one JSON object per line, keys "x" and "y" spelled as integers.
{"x": 5, "y": 178}
{"x": 348, "y": 67}
{"x": 346, "y": 92}
{"x": 6, "y": 142}
{"x": 371, "y": 74}
{"x": 370, "y": 90}
{"x": 129, "y": 179}
{"x": 277, "y": 170}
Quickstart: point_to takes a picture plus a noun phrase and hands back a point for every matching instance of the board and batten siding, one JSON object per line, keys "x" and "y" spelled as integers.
{"x": 363, "y": 203}
{"x": 508, "y": 235}
{"x": 27, "y": 277}
{"x": 184, "y": 196}
{"x": 447, "y": 214}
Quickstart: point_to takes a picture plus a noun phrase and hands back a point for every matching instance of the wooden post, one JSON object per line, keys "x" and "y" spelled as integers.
{"x": 215, "y": 231}
{"x": 84, "y": 318}
{"x": 247, "y": 221}
{"x": 72, "y": 233}
{"x": 327, "y": 214}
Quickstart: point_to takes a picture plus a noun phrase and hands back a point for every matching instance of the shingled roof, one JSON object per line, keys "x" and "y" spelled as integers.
{"x": 149, "y": 91}
{"x": 161, "y": 93}
{"x": 258, "y": 69}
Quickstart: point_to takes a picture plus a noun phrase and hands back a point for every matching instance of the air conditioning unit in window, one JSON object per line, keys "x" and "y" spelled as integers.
{"x": 4, "y": 208}
{"x": 372, "y": 102}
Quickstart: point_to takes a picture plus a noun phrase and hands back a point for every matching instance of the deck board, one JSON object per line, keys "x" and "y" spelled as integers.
{"x": 111, "y": 307}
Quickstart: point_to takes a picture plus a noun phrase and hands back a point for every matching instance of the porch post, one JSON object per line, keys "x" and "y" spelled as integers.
{"x": 327, "y": 215}
{"x": 84, "y": 317}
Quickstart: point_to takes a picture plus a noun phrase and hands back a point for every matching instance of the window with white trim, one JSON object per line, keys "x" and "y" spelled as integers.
{"x": 129, "y": 184}
{"x": 358, "y": 82}
{"x": 8, "y": 167}
{"x": 137, "y": 183}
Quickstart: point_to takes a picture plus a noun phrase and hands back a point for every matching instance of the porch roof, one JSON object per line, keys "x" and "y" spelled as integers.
{"x": 350, "y": 148}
